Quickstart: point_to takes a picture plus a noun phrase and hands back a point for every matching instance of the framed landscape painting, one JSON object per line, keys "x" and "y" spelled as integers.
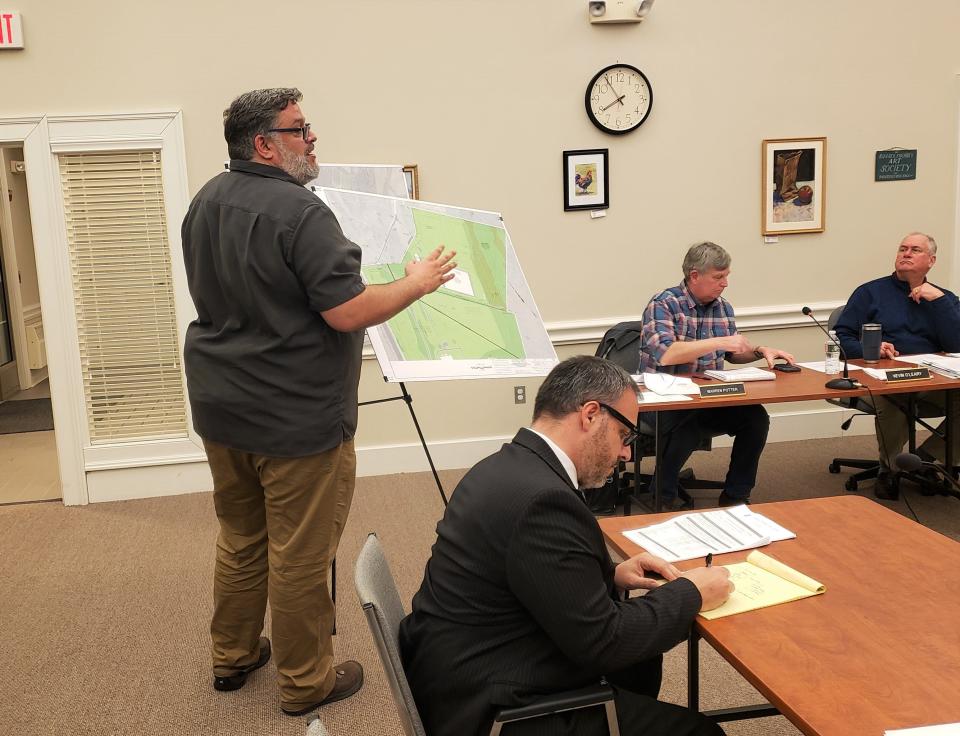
{"x": 794, "y": 185}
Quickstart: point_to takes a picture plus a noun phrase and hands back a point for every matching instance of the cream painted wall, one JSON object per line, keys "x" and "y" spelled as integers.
{"x": 485, "y": 96}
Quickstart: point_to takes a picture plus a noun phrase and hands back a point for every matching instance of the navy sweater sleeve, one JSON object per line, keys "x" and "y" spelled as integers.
{"x": 857, "y": 311}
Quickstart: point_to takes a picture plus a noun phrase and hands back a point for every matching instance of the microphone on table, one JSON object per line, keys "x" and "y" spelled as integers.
{"x": 911, "y": 463}
{"x": 840, "y": 384}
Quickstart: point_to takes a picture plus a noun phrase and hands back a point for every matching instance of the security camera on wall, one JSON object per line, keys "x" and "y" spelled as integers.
{"x": 618, "y": 11}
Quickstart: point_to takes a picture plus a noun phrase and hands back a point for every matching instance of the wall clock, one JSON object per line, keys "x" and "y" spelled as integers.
{"x": 619, "y": 99}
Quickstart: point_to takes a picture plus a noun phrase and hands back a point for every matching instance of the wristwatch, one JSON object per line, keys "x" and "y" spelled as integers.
{"x": 757, "y": 354}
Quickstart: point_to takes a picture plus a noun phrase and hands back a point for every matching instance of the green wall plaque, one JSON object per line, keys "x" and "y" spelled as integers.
{"x": 896, "y": 165}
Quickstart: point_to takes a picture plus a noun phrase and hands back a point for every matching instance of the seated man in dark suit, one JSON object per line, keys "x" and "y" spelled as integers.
{"x": 917, "y": 317}
{"x": 520, "y": 598}
{"x": 689, "y": 329}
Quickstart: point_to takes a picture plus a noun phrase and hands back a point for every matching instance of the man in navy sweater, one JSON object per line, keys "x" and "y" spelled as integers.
{"x": 917, "y": 317}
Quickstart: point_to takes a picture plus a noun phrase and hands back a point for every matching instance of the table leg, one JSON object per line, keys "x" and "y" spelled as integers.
{"x": 658, "y": 451}
{"x": 693, "y": 669}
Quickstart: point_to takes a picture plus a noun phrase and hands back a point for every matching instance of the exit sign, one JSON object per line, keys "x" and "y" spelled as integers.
{"x": 11, "y": 30}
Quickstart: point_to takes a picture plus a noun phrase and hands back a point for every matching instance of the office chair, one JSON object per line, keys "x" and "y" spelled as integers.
{"x": 864, "y": 406}
{"x": 383, "y": 610}
{"x": 621, "y": 345}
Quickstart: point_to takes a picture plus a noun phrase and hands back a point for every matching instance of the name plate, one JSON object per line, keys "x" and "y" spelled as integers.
{"x": 716, "y": 390}
{"x": 907, "y": 374}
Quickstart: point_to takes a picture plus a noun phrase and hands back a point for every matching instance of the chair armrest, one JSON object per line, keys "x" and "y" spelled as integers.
{"x": 557, "y": 703}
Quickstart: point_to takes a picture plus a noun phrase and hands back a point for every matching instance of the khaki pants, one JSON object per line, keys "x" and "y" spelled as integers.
{"x": 893, "y": 426}
{"x": 280, "y": 524}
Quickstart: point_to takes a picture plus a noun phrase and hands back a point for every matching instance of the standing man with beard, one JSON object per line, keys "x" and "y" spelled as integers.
{"x": 520, "y": 597}
{"x": 272, "y": 363}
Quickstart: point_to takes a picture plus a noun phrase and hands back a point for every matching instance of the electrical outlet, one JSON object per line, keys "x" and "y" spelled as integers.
{"x": 519, "y": 394}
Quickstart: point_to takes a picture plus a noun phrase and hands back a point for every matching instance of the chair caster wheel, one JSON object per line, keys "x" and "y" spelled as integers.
{"x": 834, "y": 468}
{"x": 850, "y": 485}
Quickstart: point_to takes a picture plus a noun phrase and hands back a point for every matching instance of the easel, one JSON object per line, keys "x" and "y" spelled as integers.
{"x": 404, "y": 396}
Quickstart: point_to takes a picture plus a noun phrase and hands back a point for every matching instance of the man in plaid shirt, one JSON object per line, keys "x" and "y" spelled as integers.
{"x": 688, "y": 329}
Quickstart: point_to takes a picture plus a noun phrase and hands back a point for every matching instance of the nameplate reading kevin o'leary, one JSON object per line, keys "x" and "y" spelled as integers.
{"x": 722, "y": 389}
{"x": 907, "y": 374}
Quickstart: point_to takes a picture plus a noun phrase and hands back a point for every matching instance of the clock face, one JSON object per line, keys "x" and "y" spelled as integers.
{"x": 619, "y": 99}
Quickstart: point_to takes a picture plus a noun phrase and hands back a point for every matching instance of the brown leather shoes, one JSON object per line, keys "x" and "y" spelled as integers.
{"x": 236, "y": 681}
{"x": 349, "y": 680}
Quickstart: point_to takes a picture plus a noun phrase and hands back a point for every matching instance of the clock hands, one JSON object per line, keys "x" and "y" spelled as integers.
{"x": 619, "y": 99}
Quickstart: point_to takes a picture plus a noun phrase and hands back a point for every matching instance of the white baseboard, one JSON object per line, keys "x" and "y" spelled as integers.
{"x": 785, "y": 426}
{"x": 122, "y": 484}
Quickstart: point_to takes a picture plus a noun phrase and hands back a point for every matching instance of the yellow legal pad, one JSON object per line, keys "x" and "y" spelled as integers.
{"x": 762, "y": 581}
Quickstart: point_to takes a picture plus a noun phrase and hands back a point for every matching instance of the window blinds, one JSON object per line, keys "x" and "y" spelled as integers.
{"x": 123, "y": 292}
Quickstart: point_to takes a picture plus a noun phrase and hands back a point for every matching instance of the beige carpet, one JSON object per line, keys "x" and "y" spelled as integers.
{"x": 104, "y": 609}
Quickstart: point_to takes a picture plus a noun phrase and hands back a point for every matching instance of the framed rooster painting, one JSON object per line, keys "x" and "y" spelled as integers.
{"x": 586, "y": 180}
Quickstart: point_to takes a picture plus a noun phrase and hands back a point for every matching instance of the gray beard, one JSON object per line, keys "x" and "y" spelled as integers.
{"x": 298, "y": 166}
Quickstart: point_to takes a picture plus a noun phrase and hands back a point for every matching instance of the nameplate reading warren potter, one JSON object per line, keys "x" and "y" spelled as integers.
{"x": 716, "y": 390}
{"x": 908, "y": 374}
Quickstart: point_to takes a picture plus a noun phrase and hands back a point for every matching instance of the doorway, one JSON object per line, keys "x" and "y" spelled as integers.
{"x": 29, "y": 468}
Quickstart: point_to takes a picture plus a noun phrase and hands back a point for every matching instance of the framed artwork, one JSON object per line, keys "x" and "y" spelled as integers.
{"x": 794, "y": 185}
{"x": 412, "y": 176}
{"x": 586, "y": 180}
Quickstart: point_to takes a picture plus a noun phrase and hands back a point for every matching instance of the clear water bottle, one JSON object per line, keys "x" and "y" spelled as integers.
{"x": 831, "y": 351}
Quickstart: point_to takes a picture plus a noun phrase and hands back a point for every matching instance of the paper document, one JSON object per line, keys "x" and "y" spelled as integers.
{"x": 940, "y": 364}
{"x": 694, "y": 535}
{"x": 742, "y": 374}
{"x": 943, "y": 365}
{"x": 666, "y": 384}
{"x": 648, "y": 397}
{"x": 818, "y": 365}
{"x": 919, "y": 358}
{"x": 946, "y": 729}
{"x": 761, "y": 582}
{"x": 879, "y": 373}
{"x": 637, "y": 378}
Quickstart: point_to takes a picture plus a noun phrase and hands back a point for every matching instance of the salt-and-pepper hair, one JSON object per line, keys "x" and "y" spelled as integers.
{"x": 252, "y": 114}
{"x": 577, "y": 380}
{"x": 931, "y": 243}
{"x": 704, "y": 256}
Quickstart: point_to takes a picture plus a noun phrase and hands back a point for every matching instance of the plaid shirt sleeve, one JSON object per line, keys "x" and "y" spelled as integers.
{"x": 659, "y": 331}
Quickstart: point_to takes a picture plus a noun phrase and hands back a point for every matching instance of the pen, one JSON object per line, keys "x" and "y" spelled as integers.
{"x": 709, "y": 559}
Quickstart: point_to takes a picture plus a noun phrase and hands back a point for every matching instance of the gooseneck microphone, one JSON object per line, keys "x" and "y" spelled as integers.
{"x": 911, "y": 463}
{"x": 839, "y": 384}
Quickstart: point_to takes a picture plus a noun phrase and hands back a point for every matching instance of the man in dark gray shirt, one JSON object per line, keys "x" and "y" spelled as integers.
{"x": 272, "y": 363}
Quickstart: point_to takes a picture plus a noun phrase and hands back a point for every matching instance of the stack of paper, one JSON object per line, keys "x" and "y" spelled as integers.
{"x": 945, "y": 365}
{"x": 742, "y": 374}
{"x": 696, "y": 535}
{"x": 949, "y": 367}
{"x": 666, "y": 384}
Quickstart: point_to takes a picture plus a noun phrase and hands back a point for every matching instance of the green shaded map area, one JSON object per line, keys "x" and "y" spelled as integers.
{"x": 449, "y": 323}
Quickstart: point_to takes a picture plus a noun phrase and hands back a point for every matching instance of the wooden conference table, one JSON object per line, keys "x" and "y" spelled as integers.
{"x": 807, "y": 385}
{"x": 879, "y": 650}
